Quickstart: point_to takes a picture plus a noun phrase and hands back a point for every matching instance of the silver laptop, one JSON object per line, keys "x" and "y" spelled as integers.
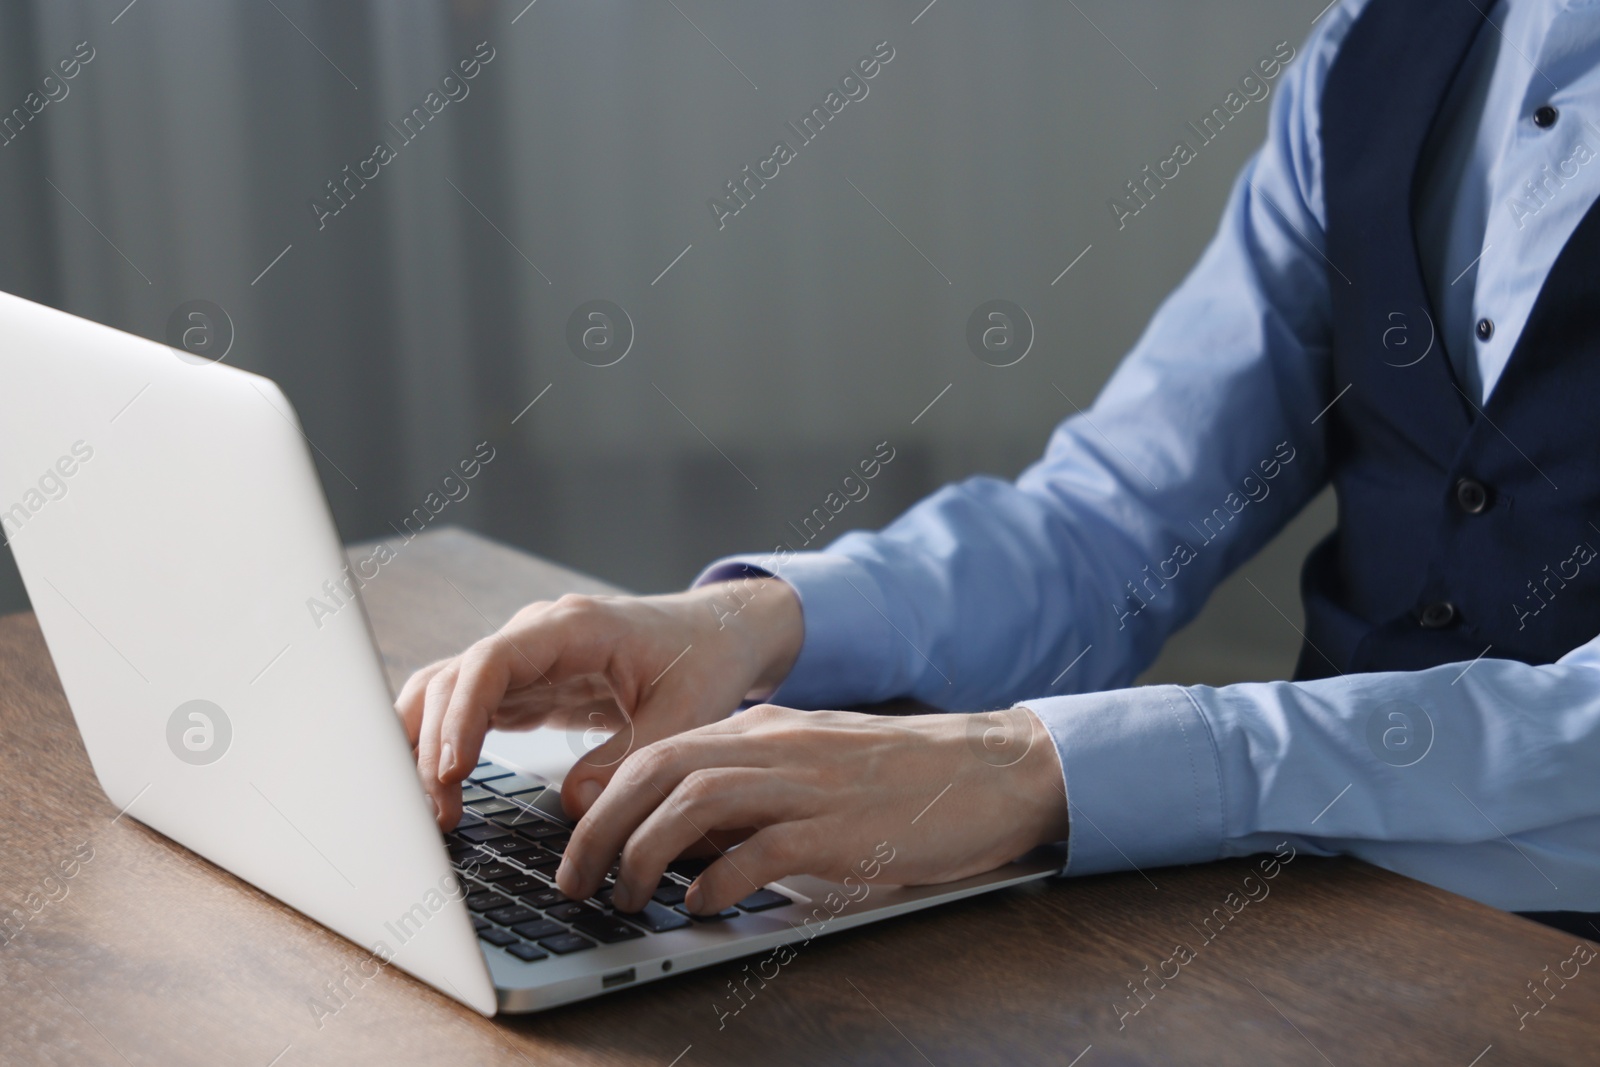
{"x": 167, "y": 518}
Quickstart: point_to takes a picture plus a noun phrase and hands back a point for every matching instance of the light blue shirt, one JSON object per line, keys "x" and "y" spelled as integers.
{"x": 1481, "y": 777}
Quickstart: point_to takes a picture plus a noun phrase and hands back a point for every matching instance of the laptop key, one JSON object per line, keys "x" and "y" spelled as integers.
{"x": 488, "y": 773}
{"x": 725, "y": 913}
{"x": 493, "y": 806}
{"x": 485, "y": 900}
{"x": 494, "y": 872}
{"x": 516, "y": 785}
{"x": 565, "y": 943}
{"x": 540, "y": 830}
{"x": 671, "y": 893}
{"x": 480, "y": 923}
{"x": 484, "y": 832}
{"x": 606, "y": 928}
{"x": 656, "y": 919}
{"x": 496, "y": 936}
{"x": 517, "y": 886}
{"x": 545, "y": 865}
{"x": 537, "y": 928}
{"x": 762, "y": 899}
{"x": 514, "y": 818}
{"x": 527, "y": 953}
{"x": 512, "y": 914}
{"x": 569, "y": 911}
{"x": 471, "y": 794}
{"x": 543, "y": 898}
{"x": 516, "y": 847}
{"x": 472, "y": 865}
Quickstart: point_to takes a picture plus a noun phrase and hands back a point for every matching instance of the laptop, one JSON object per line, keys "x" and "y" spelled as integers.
{"x": 167, "y": 518}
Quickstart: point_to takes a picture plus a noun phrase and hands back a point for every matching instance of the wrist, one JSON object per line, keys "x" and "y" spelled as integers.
{"x": 765, "y": 621}
{"x": 776, "y": 633}
{"x": 1047, "y": 816}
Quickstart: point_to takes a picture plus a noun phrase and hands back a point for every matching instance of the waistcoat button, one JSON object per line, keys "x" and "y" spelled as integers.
{"x": 1438, "y": 616}
{"x": 1471, "y": 496}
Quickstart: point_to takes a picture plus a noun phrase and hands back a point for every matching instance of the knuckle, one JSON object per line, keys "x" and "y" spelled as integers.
{"x": 782, "y": 849}
{"x": 582, "y": 609}
{"x": 576, "y": 605}
{"x": 480, "y": 656}
{"x": 531, "y": 611}
{"x": 636, "y": 856}
{"x": 441, "y": 683}
{"x": 697, "y": 789}
{"x": 661, "y": 755}
{"x": 640, "y": 766}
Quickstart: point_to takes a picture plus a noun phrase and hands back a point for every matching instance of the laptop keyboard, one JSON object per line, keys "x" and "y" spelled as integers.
{"x": 506, "y": 852}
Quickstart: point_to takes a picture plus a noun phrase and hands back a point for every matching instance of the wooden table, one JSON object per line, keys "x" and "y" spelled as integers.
{"x": 153, "y": 956}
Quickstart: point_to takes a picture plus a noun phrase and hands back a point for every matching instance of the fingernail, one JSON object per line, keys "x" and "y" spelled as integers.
{"x": 447, "y": 759}
{"x": 565, "y": 873}
{"x": 588, "y": 793}
{"x": 693, "y": 899}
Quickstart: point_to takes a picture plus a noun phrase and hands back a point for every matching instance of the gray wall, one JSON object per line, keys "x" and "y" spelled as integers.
{"x": 424, "y": 316}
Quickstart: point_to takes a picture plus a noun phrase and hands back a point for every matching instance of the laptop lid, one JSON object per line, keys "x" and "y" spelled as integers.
{"x": 171, "y": 530}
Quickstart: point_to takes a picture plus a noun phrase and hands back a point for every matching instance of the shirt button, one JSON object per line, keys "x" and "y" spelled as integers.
{"x": 1545, "y": 116}
{"x": 1485, "y": 329}
{"x": 1471, "y": 496}
{"x": 1438, "y": 616}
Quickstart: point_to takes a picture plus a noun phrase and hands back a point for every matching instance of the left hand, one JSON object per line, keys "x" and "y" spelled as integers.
{"x": 817, "y": 792}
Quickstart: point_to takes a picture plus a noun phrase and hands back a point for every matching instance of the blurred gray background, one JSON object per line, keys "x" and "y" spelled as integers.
{"x": 431, "y": 310}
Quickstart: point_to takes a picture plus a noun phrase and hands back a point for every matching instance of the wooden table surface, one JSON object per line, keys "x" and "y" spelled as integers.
{"x": 149, "y": 955}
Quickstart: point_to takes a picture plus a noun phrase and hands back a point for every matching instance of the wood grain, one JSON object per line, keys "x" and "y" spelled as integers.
{"x": 153, "y": 956}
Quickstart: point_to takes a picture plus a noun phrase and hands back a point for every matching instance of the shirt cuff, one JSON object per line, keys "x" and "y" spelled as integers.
{"x": 1142, "y": 777}
{"x": 844, "y": 658}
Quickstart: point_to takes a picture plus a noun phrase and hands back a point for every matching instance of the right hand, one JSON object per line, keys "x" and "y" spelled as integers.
{"x": 639, "y": 668}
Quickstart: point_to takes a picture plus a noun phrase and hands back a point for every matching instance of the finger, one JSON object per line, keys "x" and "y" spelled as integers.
{"x": 563, "y": 706}
{"x": 409, "y": 703}
{"x": 481, "y": 680}
{"x": 705, "y": 802}
{"x": 779, "y": 851}
{"x": 656, "y": 720}
{"x": 446, "y": 798}
{"x": 589, "y": 775}
{"x": 641, "y": 784}
{"x": 715, "y": 843}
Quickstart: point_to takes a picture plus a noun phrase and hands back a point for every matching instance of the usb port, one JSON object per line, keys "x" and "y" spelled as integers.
{"x": 611, "y": 981}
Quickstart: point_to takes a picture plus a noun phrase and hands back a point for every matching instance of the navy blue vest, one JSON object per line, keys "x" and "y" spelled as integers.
{"x": 1460, "y": 530}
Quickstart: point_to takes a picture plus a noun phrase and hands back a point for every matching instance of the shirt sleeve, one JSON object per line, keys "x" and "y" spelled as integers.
{"x": 1201, "y": 447}
{"x": 1476, "y": 777}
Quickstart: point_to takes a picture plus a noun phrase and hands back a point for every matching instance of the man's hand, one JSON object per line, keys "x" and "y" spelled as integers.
{"x": 638, "y": 668}
{"x": 954, "y": 795}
